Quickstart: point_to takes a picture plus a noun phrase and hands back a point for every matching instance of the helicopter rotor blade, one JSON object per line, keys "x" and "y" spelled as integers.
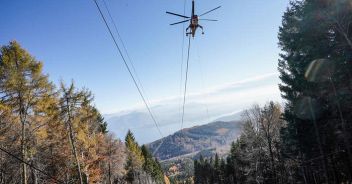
{"x": 210, "y": 11}
{"x": 209, "y": 19}
{"x": 177, "y": 15}
{"x": 179, "y": 22}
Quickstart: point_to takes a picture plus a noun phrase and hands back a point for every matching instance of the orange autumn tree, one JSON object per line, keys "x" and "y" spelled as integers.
{"x": 59, "y": 133}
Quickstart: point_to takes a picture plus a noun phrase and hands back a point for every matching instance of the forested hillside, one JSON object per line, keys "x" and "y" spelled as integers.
{"x": 309, "y": 140}
{"x": 196, "y": 139}
{"x": 177, "y": 151}
{"x": 56, "y": 135}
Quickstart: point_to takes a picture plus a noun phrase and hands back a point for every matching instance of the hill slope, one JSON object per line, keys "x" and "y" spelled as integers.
{"x": 217, "y": 135}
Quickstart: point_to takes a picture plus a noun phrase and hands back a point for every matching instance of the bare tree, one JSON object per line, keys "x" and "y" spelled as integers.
{"x": 261, "y": 132}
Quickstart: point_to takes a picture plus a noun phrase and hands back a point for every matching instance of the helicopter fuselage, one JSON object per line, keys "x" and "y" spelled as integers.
{"x": 193, "y": 25}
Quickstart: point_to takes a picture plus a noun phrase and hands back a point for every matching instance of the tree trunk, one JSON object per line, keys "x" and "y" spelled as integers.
{"x": 72, "y": 141}
{"x": 75, "y": 153}
{"x": 322, "y": 153}
{"x": 109, "y": 174}
{"x": 23, "y": 142}
{"x": 34, "y": 177}
{"x": 346, "y": 134}
{"x": 272, "y": 159}
{"x": 23, "y": 150}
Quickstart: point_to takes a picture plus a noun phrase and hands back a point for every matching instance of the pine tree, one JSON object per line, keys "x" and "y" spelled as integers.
{"x": 22, "y": 87}
{"x": 151, "y": 166}
{"x": 70, "y": 104}
{"x": 223, "y": 171}
{"x": 216, "y": 169}
{"x": 315, "y": 67}
{"x": 135, "y": 157}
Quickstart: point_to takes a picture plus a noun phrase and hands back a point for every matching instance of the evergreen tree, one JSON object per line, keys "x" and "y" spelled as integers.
{"x": 216, "y": 169}
{"x": 315, "y": 67}
{"x": 151, "y": 166}
{"x": 135, "y": 157}
{"x": 222, "y": 172}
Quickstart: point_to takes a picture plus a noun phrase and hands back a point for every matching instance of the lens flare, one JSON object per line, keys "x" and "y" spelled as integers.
{"x": 319, "y": 70}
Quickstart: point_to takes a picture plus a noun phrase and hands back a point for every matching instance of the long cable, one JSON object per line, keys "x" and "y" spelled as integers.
{"x": 133, "y": 68}
{"x": 181, "y": 76}
{"x": 30, "y": 165}
{"x": 124, "y": 48}
{"x": 127, "y": 54}
{"x": 182, "y": 58}
{"x": 186, "y": 79}
{"x": 128, "y": 68}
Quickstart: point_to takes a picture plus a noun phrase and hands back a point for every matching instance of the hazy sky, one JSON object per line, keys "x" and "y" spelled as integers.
{"x": 224, "y": 102}
{"x": 72, "y": 41}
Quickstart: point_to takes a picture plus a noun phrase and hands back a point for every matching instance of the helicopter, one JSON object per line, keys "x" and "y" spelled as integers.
{"x": 194, "y": 20}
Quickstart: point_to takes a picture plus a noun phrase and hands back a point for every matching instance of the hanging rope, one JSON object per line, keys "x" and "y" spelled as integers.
{"x": 181, "y": 76}
{"x": 186, "y": 79}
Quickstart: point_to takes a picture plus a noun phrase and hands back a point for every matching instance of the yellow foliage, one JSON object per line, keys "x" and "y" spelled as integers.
{"x": 166, "y": 180}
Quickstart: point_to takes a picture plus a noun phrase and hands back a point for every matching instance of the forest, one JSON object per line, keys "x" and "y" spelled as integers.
{"x": 55, "y": 134}
{"x": 52, "y": 134}
{"x": 308, "y": 140}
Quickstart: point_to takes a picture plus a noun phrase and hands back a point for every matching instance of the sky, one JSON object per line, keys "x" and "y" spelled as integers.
{"x": 69, "y": 37}
{"x": 225, "y": 102}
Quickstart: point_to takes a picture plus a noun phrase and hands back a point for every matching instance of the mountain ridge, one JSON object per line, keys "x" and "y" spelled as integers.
{"x": 216, "y": 135}
{"x": 140, "y": 123}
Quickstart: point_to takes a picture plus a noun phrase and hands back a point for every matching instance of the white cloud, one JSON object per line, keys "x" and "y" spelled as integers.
{"x": 201, "y": 107}
{"x": 212, "y": 91}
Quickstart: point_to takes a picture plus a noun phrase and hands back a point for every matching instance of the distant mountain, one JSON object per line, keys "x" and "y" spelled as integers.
{"x": 234, "y": 116}
{"x": 217, "y": 103}
{"x": 168, "y": 117}
{"x": 216, "y": 136}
